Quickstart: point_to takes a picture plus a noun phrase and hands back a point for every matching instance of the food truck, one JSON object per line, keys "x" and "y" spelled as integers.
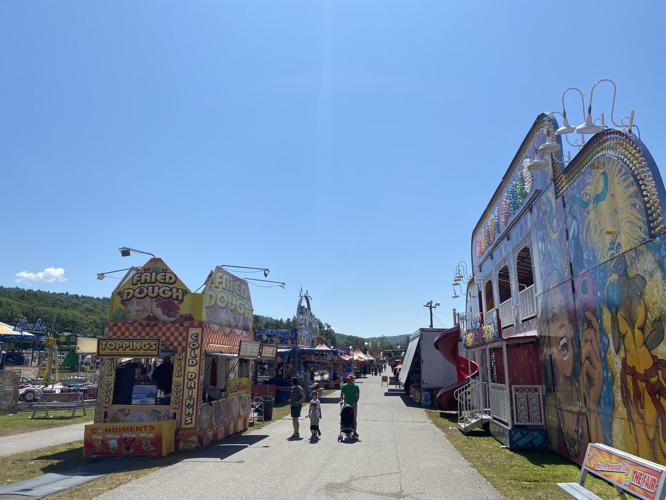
{"x": 175, "y": 365}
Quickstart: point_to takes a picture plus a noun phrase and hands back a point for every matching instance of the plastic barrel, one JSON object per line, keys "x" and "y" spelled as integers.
{"x": 268, "y": 407}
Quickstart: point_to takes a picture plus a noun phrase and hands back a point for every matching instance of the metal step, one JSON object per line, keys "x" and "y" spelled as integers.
{"x": 472, "y": 423}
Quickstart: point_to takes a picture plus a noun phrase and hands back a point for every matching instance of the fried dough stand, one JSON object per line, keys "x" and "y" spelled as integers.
{"x": 176, "y": 365}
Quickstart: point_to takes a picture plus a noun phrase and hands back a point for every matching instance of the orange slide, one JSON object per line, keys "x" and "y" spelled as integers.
{"x": 447, "y": 344}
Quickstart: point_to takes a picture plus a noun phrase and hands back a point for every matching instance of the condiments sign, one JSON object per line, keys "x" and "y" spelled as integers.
{"x": 150, "y": 293}
{"x": 227, "y": 302}
{"x": 130, "y": 348}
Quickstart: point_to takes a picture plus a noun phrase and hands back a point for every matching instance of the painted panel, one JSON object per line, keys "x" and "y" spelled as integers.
{"x": 601, "y": 332}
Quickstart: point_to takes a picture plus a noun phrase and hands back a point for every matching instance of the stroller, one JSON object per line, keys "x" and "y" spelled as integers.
{"x": 346, "y": 424}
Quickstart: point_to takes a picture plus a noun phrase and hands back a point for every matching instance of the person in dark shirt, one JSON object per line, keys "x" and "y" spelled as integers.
{"x": 163, "y": 375}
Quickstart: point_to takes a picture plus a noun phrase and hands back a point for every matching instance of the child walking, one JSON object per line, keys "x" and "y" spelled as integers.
{"x": 314, "y": 414}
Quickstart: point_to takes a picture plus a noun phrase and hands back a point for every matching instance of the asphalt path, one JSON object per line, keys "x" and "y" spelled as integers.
{"x": 400, "y": 454}
{"x": 34, "y": 440}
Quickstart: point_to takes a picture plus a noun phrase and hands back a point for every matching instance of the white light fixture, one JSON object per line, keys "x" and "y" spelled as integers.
{"x": 550, "y": 146}
{"x": 536, "y": 164}
{"x": 588, "y": 127}
{"x": 565, "y": 128}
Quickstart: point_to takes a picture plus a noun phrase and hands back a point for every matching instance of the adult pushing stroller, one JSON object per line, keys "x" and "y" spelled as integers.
{"x": 346, "y": 424}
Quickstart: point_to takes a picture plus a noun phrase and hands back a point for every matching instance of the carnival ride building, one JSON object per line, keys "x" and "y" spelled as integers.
{"x": 566, "y": 305}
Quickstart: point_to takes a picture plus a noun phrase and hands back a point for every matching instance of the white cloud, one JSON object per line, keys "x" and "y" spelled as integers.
{"x": 48, "y": 275}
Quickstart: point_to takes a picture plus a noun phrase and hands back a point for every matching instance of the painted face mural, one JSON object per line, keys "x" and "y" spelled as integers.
{"x": 603, "y": 338}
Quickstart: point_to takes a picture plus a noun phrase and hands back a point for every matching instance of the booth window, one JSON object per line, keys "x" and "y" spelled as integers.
{"x": 143, "y": 381}
{"x": 504, "y": 284}
{"x": 524, "y": 269}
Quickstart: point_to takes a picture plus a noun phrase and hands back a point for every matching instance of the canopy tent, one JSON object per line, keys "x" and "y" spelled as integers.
{"x": 322, "y": 346}
{"x": 8, "y": 334}
{"x": 409, "y": 357}
{"x": 359, "y": 356}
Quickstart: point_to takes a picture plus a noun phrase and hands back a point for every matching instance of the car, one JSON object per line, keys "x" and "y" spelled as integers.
{"x": 29, "y": 392}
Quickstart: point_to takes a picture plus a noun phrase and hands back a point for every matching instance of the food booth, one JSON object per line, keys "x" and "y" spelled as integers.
{"x": 175, "y": 365}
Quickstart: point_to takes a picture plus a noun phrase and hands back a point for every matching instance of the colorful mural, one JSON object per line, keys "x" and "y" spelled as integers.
{"x": 520, "y": 184}
{"x": 478, "y": 333}
{"x": 602, "y": 334}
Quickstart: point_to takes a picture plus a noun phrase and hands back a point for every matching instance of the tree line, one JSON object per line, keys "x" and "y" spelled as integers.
{"x": 86, "y": 316}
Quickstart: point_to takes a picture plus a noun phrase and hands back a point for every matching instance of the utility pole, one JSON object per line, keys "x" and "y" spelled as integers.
{"x": 431, "y": 306}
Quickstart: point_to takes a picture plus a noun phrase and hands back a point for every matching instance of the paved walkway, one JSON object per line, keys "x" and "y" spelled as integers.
{"x": 401, "y": 454}
{"x": 18, "y": 443}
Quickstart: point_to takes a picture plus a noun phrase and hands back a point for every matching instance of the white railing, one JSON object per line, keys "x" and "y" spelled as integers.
{"x": 527, "y": 404}
{"x": 506, "y": 313}
{"x": 471, "y": 399}
{"x": 489, "y": 316}
{"x": 499, "y": 401}
{"x": 527, "y": 306}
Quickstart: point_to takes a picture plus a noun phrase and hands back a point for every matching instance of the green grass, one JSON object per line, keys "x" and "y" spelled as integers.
{"x": 519, "y": 475}
{"x": 18, "y": 423}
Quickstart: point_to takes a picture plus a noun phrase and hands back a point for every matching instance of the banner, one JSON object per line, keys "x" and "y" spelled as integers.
{"x": 637, "y": 477}
{"x": 227, "y": 302}
{"x": 151, "y": 439}
{"x": 193, "y": 363}
{"x": 276, "y": 336}
{"x": 128, "y": 348}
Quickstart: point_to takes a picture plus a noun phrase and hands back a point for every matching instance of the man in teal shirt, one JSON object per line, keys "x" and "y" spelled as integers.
{"x": 350, "y": 394}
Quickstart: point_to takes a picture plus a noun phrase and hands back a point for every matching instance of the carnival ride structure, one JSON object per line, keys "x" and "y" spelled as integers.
{"x": 447, "y": 344}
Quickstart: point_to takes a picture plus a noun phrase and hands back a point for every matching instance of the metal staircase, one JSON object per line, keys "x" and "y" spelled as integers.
{"x": 473, "y": 409}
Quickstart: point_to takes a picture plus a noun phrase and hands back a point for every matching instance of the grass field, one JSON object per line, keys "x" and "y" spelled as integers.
{"x": 519, "y": 475}
{"x": 21, "y": 422}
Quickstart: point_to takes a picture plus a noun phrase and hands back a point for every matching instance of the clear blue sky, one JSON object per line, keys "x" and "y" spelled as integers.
{"x": 350, "y": 146}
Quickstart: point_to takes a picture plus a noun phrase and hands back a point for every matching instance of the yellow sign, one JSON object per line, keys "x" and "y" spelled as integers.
{"x": 268, "y": 351}
{"x": 128, "y": 348}
{"x": 151, "y": 293}
{"x": 248, "y": 349}
{"x": 192, "y": 369}
{"x": 177, "y": 383}
{"x": 238, "y": 386}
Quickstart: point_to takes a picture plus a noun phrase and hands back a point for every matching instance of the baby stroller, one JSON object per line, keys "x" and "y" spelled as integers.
{"x": 346, "y": 424}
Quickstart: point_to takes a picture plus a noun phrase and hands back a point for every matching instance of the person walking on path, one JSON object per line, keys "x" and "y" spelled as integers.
{"x": 350, "y": 394}
{"x": 314, "y": 414}
{"x": 296, "y": 398}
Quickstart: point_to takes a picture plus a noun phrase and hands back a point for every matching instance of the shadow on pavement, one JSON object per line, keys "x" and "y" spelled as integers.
{"x": 71, "y": 469}
{"x": 329, "y": 400}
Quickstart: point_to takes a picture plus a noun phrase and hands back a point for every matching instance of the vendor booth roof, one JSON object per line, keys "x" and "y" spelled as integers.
{"x": 322, "y": 346}
{"x": 409, "y": 357}
{"x": 7, "y": 333}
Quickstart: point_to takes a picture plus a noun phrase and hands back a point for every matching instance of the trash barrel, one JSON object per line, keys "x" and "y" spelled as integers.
{"x": 268, "y": 407}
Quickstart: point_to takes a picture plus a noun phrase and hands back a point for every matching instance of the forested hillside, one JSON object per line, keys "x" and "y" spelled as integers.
{"x": 86, "y": 316}
{"x": 68, "y": 312}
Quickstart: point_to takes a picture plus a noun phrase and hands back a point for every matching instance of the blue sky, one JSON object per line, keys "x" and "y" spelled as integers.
{"x": 350, "y": 146}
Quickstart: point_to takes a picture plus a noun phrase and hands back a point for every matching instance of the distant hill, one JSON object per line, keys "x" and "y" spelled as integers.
{"x": 403, "y": 340}
{"x": 72, "y": 313}
{"x": 86, "y": 316}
